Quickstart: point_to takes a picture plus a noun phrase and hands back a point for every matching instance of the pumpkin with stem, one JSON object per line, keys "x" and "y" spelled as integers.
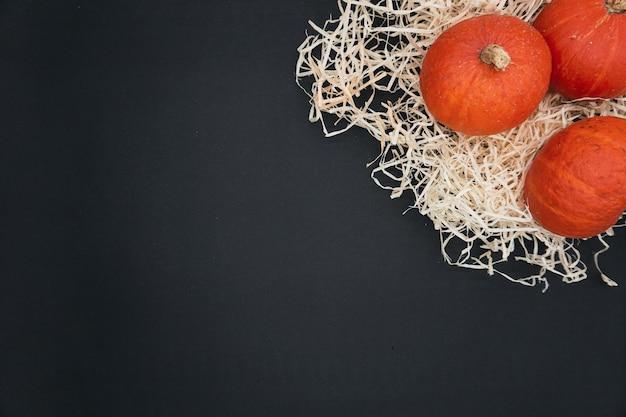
{"x": 586, "y": 38}
{"x": 576, "y": 184}
{"x": 485, "y": 74}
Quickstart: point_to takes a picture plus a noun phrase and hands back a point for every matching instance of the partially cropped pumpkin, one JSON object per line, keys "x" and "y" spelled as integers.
{"x": 486, "y": 74}
{"x": 576, "y": 184}
{"x": 586, "y": 38}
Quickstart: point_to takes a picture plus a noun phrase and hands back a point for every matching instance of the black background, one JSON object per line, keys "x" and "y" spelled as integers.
{"x": 178, "y": 240}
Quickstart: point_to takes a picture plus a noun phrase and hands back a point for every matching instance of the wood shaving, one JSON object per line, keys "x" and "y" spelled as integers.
{"x": 362, "y": 69}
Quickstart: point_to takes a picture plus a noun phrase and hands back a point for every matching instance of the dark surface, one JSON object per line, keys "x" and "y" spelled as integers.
{"x": 178, "y": 240}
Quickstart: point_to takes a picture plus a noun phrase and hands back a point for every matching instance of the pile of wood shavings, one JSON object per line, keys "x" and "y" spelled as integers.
{"x": 362, "y": 69}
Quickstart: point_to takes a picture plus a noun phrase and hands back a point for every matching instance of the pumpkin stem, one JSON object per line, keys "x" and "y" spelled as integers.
{"x": 615, "y": 6}
{"x": 495, "y": 56}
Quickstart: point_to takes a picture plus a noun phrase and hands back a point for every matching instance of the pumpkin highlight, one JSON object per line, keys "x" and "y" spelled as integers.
{"x": 486, "y": 74}
{"x": 576, "y": 184}
{"x": 586, "y": 39}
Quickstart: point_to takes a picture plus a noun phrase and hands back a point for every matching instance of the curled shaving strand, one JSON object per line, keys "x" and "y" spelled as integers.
{"x": 362, "y": 69}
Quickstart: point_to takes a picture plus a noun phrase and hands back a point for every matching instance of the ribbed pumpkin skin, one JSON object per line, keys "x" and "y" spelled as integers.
{"x": 576, "y": 184}
{"x": 587, "y": 46}
{"x": 472, "y": 97}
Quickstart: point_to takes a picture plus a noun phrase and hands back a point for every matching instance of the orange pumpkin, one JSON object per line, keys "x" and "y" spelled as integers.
{"x": 586, "y": 38}
{"x": 576, "y": 184}
{"x": 486, "y": 74}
